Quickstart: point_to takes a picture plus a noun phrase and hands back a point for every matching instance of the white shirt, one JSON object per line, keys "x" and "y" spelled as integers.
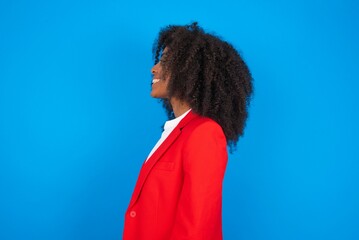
{"x": 167, "y": 129}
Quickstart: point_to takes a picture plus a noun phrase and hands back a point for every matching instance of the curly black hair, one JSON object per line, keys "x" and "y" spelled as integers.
{"x": 207, "y": 73}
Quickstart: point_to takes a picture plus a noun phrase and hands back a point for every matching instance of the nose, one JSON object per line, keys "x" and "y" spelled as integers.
{"x": 154, "y": 69}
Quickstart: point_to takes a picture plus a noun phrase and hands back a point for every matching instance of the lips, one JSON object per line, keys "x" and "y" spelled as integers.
{"x": 155, "y": 80}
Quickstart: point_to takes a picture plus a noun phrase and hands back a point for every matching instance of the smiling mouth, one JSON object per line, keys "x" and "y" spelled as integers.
{"x": 156, "y": 80}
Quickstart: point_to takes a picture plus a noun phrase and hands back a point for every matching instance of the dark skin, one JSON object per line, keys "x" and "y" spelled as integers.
{"x": 159, "y": 90}
{"x": 208, "y": 74}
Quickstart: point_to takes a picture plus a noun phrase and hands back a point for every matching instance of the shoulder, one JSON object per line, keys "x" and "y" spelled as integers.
{"x": 203, "y": 128}
{"x": 204, "y": 144}
{"x": 202, "y": 123}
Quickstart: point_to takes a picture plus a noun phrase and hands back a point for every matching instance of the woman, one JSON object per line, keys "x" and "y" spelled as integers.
{"x": 205, "y": 87}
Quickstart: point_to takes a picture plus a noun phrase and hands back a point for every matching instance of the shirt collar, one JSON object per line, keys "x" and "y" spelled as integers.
{"x": 174, "y": 122}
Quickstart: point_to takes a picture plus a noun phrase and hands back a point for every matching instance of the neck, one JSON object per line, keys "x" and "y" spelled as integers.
{"x": 179, "y": 107}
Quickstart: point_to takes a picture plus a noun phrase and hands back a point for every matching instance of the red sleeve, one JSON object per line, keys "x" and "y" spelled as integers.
{"x": 199, "y": 210}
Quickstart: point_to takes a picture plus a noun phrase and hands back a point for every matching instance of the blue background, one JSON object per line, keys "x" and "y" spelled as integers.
{"x": 77, "y": 121}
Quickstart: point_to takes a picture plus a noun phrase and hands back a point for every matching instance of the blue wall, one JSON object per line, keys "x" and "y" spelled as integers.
{"x": 77, "y": 121}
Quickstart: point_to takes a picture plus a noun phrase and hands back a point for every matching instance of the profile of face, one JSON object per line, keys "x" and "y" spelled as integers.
{"x": 159, "y": 81}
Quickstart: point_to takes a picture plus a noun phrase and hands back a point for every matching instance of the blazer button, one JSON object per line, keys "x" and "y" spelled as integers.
{"x": 133, "y": 214}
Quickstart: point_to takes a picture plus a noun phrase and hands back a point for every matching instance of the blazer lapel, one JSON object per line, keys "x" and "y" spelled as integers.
{"x": 148, "y": 165}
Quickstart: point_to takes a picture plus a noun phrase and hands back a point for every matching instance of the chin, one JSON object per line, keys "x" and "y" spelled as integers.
{"x": 154, "y": 95}
{"x": 157, "y": 95}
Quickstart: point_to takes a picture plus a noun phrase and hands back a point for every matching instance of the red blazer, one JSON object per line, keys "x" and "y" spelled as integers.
{"x": 178, "y": 194}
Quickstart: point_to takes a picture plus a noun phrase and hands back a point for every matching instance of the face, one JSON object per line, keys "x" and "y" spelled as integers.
{"x": 159, "y": 81}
